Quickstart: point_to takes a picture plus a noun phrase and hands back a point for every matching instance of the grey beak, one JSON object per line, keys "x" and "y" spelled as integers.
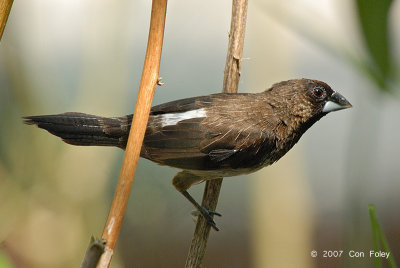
{"x": 336, "y": 102}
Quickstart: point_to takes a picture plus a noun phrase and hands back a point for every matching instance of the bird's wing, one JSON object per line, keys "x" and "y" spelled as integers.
{"x": 194, "y": 134}
{"x": 174, "y": 132}
{"x": 183, "y": 105}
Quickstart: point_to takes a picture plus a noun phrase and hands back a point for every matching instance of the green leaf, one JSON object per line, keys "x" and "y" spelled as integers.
{"x": 379, "y": 238}
{"x": 373, "y": 15}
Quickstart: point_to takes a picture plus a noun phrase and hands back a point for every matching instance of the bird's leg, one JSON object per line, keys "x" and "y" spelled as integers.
{"x": 182, "y": 181}
{"x": 207, "y": 214}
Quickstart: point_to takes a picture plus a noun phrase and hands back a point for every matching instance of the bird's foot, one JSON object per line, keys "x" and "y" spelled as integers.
{"x": 208, "y": 216}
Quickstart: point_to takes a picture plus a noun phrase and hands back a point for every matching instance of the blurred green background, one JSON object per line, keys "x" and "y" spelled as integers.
{"x": 86, "y": 56}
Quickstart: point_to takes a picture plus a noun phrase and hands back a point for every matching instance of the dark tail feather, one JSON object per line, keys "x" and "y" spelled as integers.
{"x": 84, "y": 129}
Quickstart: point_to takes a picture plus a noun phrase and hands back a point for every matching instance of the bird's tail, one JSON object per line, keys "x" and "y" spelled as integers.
{"x": 85, "y": 129}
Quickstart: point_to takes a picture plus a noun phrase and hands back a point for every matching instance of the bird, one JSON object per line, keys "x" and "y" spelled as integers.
{"x": 213, "y": 136}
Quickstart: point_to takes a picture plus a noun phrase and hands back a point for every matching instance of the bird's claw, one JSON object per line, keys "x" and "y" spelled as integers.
{"x": 214, "y": 213}
{"x": 208, "y": 216}
{"x": 210, "y": 212}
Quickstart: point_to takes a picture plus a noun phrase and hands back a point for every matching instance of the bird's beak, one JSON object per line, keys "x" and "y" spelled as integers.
{"x": 336, "y": 102}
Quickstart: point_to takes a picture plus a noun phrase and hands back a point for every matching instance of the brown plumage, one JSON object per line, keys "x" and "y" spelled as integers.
{"x": 211, "y": 136}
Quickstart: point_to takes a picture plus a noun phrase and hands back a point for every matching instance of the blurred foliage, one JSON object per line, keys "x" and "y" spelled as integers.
{"x": 5, "y": 261}
{"x": 373, "y": 16}
{"x": 379, "y": 239}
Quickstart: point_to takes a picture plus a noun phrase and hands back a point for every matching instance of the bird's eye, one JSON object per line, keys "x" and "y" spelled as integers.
{"x": 318, "y": 92}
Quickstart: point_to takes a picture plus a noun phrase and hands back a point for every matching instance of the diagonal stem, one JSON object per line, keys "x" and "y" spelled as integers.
{"x": 231, "y": 83}
{"x": 147, "y": 88}
{"x": 5, "y": 8}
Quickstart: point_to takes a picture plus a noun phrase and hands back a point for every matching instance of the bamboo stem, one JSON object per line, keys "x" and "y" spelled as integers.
{"x": 231, "y": 84}
{"x": 5, "y": 8}
{"x": 142, "y": 110}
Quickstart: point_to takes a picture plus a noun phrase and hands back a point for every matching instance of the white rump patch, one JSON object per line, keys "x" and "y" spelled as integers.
{"x": 174, "y": 118}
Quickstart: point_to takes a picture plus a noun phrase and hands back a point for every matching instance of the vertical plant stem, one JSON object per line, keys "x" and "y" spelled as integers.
{"x": 142, "y": 110}
{"x": 231, "y": 84}
{"x": 235, "y": 47}
{"x": 202, "y": 230}
{"x": 5, "y": 8}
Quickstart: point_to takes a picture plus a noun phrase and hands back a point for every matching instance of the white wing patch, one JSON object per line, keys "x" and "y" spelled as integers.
{"x": 174, "y": 118}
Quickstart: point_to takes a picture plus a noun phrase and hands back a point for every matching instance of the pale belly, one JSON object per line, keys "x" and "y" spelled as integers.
{"x": 221, "y": 173}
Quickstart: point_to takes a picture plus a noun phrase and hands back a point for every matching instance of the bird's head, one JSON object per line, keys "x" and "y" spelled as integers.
{"x": 308, "y": 100}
